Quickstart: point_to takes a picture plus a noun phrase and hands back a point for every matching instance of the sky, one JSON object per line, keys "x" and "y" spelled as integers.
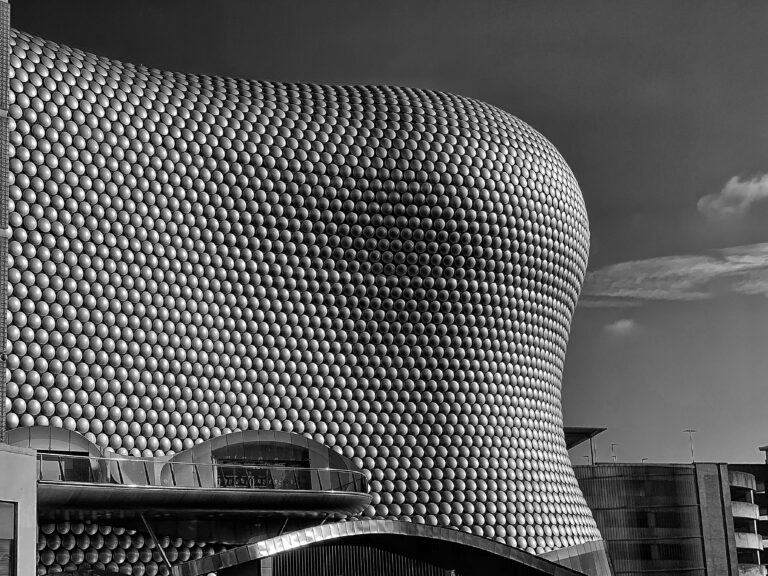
{"x": 661, "y": 110}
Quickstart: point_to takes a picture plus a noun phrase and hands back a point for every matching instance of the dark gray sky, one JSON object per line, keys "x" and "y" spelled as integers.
{"x": 660, "y": 108}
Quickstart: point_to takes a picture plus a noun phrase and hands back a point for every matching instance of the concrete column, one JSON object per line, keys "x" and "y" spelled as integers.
{"x": 716, "y": 519}
{"x": 20, "y": 488}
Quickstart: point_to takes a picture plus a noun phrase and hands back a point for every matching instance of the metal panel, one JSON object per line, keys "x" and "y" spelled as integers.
{"x": 648, "y": 515}
{"x": 351, "y": 560}
{"x": 415, "y": 546}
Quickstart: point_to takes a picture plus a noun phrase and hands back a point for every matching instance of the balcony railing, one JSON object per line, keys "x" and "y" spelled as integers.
{"x": 69, "y": 468}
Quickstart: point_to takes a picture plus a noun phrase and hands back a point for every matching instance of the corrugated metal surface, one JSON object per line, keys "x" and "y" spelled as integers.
{"x": 643, "y": 523}
{"x": 611, "y": 486}
{"x": 432, "y": 545}
{"x": 588, "y": 558}
{"x": 352, "y": 560}
{"x": 649, "y": 517}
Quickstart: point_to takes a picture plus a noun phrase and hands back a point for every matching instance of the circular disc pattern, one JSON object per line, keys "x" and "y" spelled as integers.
{"x": 72, "y": 546}
{"x": 389, "y": 271}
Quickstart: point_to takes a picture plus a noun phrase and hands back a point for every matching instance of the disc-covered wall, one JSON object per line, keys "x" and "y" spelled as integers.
{"x": 71, "y": 546}
{"x": 389, "y": 271}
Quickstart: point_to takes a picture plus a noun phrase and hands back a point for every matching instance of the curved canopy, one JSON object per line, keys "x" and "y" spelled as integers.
{"x": 414, "y": 540}
{"x": 268, "y": 445}
{"x": 50, "y": 439}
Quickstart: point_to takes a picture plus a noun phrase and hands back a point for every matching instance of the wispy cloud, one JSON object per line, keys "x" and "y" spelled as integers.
{"x": 622, "y": 327}
{"x": 735, "y": 199}
{"x": 607, "y": 303}
{"x": 737, "y": 270}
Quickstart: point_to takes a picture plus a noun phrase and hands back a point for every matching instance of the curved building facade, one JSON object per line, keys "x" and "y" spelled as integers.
{"x": 391, "y": 272}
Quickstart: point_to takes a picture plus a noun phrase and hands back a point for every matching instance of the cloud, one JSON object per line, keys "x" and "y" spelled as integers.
{"x": 737, "y": 270}
{"x": 621, "y": 327}
{"x": 755, "y": 284}
{"x": 735, "y": 199}
{"x": 608, "y": 303}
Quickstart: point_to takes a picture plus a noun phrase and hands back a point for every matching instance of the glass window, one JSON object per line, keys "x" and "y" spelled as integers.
{"x": 7, "y": 539}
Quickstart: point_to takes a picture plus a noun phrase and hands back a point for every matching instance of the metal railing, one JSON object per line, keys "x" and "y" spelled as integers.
{"x": 157, "y": 473}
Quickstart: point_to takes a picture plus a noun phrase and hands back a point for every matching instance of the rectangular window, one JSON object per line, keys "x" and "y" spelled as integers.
{"x": 7, "y": 539}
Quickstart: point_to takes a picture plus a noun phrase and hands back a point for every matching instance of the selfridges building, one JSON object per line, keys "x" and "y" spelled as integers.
{"x": 388, "y": 272}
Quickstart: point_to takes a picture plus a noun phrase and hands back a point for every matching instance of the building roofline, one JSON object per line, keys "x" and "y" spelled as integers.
{"x": 576, "y": 435}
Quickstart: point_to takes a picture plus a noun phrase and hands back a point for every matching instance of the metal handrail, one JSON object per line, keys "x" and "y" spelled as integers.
{"x": 53, "y": 467}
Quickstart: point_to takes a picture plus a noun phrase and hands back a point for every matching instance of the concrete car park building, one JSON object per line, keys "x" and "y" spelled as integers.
{"x": 255, "y": 327}
{"x": 697, "y": 519}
